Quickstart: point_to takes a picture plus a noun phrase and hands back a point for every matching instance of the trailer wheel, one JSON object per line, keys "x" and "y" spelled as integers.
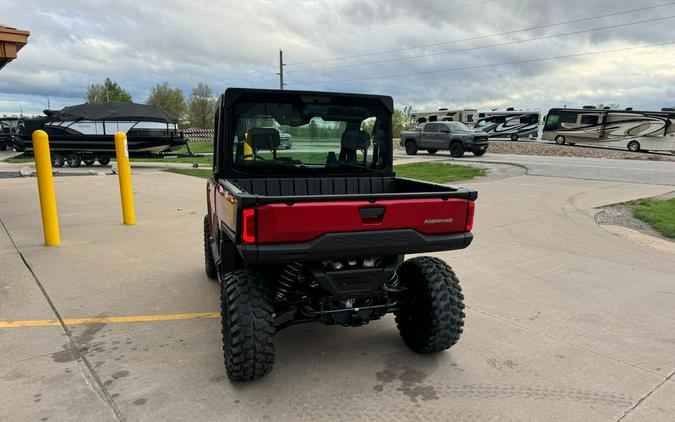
{"x": 247, "y": 315}
{"x": 89, "y": 163}
{"x": 431, "y": 308}
{"x": 456, "y": 150}
{"x": 634, "y": 146}
{"x": 73, "y": 159}
{"x": 432, "y": 151}
{"x": 57, "y": 159}
{"x": 410, "y": 148}
{"x": 209, "y": 261}
{"x": 104, "y": 161}
{"x": 560, "y": 140}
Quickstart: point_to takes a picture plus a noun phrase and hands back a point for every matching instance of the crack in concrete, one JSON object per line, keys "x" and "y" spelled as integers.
{"x": 643, "y": 398}
{"x": 103, "y": 391}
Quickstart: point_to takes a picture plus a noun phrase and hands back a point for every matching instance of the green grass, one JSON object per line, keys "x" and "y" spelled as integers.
{"x": 204, "y": 173}
{"x": 438, "y": 172}
{"x": 658, "y": 213}
{"x": 19, "y": 159}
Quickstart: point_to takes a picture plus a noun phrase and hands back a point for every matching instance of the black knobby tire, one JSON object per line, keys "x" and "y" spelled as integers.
{"x": 209, "y": 261}
{"x": 431, "y": 310}
{"x": 432, "y": 151}
{"x": 456, "y": 150}
{"x": 247, "y": 315}
{"x": 104, "y": 161}
{"x": 479, "y": 152}
{"x": 410, "y": 148}
{"x": 89, "y": 163}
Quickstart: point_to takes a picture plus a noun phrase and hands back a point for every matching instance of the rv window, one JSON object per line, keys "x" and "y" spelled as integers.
{"x": 568, "y": 117}
{"x": 498, "y": 119}
{"x": 469, "y": 118}
{"x": 589, "y": 119}
{"x": 530, "y": 119}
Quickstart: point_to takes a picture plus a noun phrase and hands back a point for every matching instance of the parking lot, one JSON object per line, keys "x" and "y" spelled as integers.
{"x": 566, "y": 320}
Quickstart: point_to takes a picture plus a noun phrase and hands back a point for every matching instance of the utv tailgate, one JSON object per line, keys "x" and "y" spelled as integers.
{"x": 328, "y": 230}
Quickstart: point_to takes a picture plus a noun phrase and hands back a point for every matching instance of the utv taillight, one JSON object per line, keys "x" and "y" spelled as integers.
{"x": 248, "y": 226}
{"x": 469, "y": 216}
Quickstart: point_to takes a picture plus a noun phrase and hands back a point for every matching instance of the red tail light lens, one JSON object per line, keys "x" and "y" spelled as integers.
{"x": 248, "y": 226}
{"x": 469, "y": 216}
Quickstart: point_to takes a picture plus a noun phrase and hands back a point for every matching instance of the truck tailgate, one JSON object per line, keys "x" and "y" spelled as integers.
{"x": 304, "y": 221}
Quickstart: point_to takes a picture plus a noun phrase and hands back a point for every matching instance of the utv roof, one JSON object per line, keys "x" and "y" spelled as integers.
{"x": 233, "y": 95}
{"x": 113, "y": 111}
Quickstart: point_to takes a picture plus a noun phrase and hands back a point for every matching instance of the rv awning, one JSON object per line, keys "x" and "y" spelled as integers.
{"x": 113, "y": 111}
{"x": 11, "y": 41}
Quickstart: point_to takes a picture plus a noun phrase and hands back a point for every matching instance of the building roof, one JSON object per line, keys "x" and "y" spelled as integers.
{"x": 11, "y": 41}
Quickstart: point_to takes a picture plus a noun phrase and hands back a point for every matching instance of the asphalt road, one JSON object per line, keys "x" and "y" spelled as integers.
{"x": 565, "y": 320}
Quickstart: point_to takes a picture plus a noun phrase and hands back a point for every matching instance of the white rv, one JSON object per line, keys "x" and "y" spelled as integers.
{"x": 631, "y": 129}
{"x": 509, "y": 123}
{"x": 466, "y": 116}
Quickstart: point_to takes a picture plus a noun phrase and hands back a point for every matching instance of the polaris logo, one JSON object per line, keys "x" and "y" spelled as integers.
{"x": 438, "y": 220}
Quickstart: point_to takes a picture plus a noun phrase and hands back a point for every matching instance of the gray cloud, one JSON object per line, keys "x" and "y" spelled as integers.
{"x": 77, "y": 42}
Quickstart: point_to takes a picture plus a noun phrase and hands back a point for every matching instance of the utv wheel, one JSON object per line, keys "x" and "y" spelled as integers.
{"x": 431, "y": 309}
{"x": 209, "y": 262}
{"x": 89, "y": 163}
{"x": 456, "y": 150}
{"x": 634, "y": 146}
{"x": 57, "y": 159}
{"x": 104, "y": 161}
{"x": 514, "y": 137}
{"x": 73, "y": 160}
{"x": 560, "y": 140}
{"x": 410, "y": 148}
{"x": 479, "y": 152}
{"x": 432, "y": 151}
{"x": 247, "y": 316}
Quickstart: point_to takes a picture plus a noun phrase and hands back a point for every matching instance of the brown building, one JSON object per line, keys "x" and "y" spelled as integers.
{"x": 11, "y": 41}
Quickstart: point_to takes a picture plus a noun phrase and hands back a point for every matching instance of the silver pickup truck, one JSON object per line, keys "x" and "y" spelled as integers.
{"x": 453, "y": 136}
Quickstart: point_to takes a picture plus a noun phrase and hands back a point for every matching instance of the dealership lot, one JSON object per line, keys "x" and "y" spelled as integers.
{"x": 565, "y": 320}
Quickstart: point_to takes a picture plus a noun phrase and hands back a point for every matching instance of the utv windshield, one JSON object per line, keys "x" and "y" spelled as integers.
{"x": 324, "y": 138}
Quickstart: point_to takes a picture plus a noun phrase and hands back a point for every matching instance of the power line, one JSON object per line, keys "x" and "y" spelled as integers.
{"x": 485, "y": 46}
{"x": 531, "y": 28}
{"x": 477, "y": 67}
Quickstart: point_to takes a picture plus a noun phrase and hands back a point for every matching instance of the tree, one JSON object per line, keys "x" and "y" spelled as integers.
{"x": 169, "y": 99}
{"x": 107, "y": 92}
{"x": 201, "y": 107}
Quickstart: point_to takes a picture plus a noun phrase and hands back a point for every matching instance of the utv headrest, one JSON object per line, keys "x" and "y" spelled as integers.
{"x": 355, "y": 139}
{"x": 264, "y": 138}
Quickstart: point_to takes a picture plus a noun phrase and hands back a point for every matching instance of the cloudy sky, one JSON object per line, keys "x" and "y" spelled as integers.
{"x": 426, "y": 53}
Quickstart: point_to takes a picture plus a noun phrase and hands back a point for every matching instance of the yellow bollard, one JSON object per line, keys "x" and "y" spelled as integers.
{"x": 43, "y": 170}
{"x": 124, "y": 174}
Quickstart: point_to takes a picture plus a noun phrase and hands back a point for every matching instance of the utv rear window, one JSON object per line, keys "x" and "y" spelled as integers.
{"x": 280, "y": 137}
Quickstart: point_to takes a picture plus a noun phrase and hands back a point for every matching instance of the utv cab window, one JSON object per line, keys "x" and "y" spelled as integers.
{"x": 297, "y": 138}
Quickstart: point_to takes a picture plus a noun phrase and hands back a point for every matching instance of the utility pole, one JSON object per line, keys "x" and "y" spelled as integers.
{"x": 281, "y": 70}
{"x": 49, "y": 106}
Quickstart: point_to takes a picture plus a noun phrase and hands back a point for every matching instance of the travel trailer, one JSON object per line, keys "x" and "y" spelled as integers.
{"x": 631, "y": 129}
{"x": 509, "y": 123}
{"x": 466, "y": 116}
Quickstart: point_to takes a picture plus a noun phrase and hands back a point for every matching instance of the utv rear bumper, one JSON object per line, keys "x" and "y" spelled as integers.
{"x": 335, "y": 246}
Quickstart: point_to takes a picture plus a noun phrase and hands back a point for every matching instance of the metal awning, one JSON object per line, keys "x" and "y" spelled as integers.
{"x": 11, "y": 41}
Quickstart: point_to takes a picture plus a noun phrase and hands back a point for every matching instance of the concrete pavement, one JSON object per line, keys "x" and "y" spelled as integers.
{"x": 565, "y": 320}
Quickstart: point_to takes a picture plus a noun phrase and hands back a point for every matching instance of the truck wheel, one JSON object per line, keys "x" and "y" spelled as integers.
{"x": 560, "y": 140}
{"x": 456, "y": 150}
{"x": 209, "y": 262}
{"x": 73, "y": 159}
{"x": 247, "y": 315}
{"x": 104, "y": 161}
{"x": 432, "y": 151}
{"x": 431, "y": 309}
{"x": 3, "y": 146}
{"x": 410, "y": 148}
{"x": 514, "y": 137}
{"x": 634, "y": 146}
{"x": 57, "y": 159}
{"x": 479, "y": 152}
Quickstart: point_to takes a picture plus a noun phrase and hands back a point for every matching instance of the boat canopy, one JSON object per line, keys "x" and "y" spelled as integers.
{"x": 112, "y": 111}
